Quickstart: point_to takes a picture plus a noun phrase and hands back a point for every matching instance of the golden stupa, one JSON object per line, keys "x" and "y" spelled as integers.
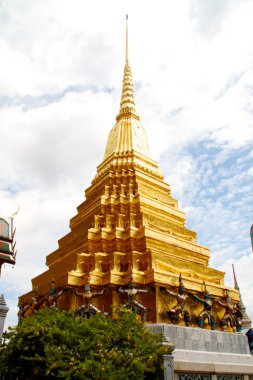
{"x": 129, "y": 228}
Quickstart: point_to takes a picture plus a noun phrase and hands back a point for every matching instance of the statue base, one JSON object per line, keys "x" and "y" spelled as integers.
{"x": 207, "y": 352}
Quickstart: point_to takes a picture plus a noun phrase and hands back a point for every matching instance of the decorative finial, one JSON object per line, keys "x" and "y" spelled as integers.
{"x": 126, "y": 39}
{"x": 246, "y": 322}
{"x": 3, "y": 312}
{"x": 15, "y": 213}
{"x": 127, "y": 104}
{"x": 236, "y": 286}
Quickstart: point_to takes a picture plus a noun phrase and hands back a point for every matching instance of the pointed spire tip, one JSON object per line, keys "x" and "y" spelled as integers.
{"x": 126, "y": 39}
{"x": 236, "y": 286}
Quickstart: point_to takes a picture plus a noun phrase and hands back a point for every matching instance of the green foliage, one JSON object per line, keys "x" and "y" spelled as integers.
{"x": 55, "y": 344}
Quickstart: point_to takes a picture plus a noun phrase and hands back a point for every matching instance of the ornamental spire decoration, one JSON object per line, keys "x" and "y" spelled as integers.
{"x": 126, "y": 39}
{"x": 3, "y": 312}
{"x": 127, "y": 104}
{"x": 128, "y": 135}
{"x": 236, "y": 286}
{"x": 246, "y": 322}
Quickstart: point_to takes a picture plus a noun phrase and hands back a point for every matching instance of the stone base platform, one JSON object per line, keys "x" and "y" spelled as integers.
{"x": 208, "y": 354}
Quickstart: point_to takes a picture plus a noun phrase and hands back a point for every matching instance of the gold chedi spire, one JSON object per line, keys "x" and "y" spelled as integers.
{"x": 127, "y": 103}
{"x": 126, "y": 38}
{"x": 127, "y": 135}
{"x": 129, "y": 229}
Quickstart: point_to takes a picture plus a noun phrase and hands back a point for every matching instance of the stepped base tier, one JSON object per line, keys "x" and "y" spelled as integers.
{"x": 202, "y": 354}
{"x": 129, "y": 244}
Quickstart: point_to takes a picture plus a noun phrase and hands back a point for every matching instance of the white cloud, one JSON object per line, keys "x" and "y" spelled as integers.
{"x": 209, "y": 16}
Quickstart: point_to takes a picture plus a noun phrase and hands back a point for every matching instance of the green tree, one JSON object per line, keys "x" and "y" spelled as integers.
{"x": 55, "y": 344}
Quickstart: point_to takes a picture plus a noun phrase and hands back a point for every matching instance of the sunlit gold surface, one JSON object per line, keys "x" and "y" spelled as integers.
{"x": 129, "y": 222}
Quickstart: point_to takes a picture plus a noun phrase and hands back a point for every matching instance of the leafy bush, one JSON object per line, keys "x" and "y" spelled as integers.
{"x": 55, "y": 344}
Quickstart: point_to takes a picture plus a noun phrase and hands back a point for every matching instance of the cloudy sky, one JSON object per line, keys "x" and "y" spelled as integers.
{"x": 61, "y": 67}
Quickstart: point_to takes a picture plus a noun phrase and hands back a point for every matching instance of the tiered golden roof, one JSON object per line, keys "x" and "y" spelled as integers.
{"x": 130, "y": 225}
